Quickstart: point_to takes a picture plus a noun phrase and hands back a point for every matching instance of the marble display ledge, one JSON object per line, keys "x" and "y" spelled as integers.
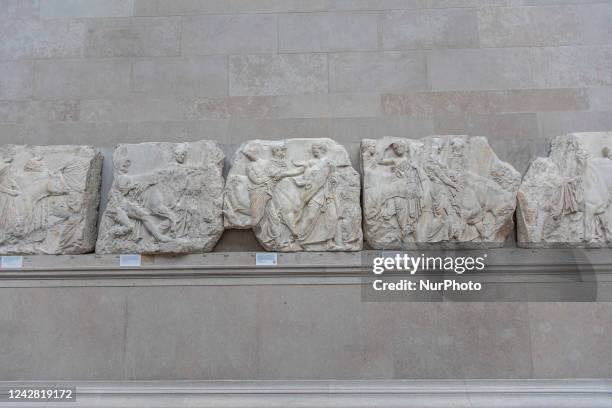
{"x": 565, "y": 393}
{"x": 499, "y": 262}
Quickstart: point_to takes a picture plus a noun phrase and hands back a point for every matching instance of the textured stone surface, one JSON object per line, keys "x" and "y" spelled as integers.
{"x": 296, "y": 194}
{"x": 277, "y": 74}
{"x": 232, "y": 34}
{"x": 566, "y": 198}
{"x": 165, "y": 198}
{"x": 49, "y": 197}
{"x": 440, "y": 191}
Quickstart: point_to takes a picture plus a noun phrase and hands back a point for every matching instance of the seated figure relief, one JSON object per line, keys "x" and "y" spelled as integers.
{"x": 296, "y": 194}
{"x": 49, "y": 197}
{"x": 440, "y": 191}
{"x": 165, "y": 198}
{"x": 565, "y": 199}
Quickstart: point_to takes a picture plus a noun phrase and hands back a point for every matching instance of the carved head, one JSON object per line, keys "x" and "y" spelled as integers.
{"x": 279, "y": 152}
{"x": 251, "y": 153}
{"x": 457, "y": 145}
{"x": 318, "y": 150}
{"x": 124, "y": 166}
{"x": 399, "y": 148}
{"x": 180, "y": 152}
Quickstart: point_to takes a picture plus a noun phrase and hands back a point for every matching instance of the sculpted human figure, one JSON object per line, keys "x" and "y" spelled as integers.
{"x": 317, "y": 218}
{"x": 406, "y": 202}
{"x": 266, "y": 213}
{"x": 136, "y": 207}
{"x": 303, "y": 195}
{"x": 439, "y": 190}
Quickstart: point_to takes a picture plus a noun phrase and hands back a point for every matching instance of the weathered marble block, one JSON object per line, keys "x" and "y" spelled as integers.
{"x": 165, "y": 198}
{"x": 565, "y": 199}
{"x": 49, "y": 197}
{"x": 296, "y": 194}
{"x": 439, "y": 191}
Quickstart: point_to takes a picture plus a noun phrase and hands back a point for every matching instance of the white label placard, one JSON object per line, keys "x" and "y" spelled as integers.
{"x": 266, "y": 258}
{"x": 12, "y": 262}
{"x": 129, "y": 260}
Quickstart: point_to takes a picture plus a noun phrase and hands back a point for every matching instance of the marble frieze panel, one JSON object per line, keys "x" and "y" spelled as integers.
{"x": 49, "y": 197}
{"x": 165, "y": 198}
{"x": 438, "y": 191}
{"x": 296, "y": 194}
{"x": 565, "y": 199}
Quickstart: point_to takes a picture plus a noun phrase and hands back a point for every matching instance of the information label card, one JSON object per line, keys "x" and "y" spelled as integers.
{"x": 12, "y": 262}
{"x": 129, "y": 260}
{"x": 266, "y": 258}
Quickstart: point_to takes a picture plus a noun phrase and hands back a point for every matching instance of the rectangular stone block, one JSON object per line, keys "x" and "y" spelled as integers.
{"x": 28, "y": 38}
{"x": 555, "y": 67}
{"x": 176, "y": 131}
{"x": 101, "y": 135}
{"x": 29, "y": 111}
{"x": 431, "y": 28}
{"x": 323, "y": 32}
{"x": 377, "y": 71}
{"x": 375, "y": 4}
{"x": 193, "y": 7}
{"x": 277, "y": 74}
{"x": 501, "y": 68}
{"x": 144, "y": 8}
{"x": 329, "y": 105}
{"x": 18, "y": 9}
{"x": 427, "y": 104}
{"x": 232, "y": 107}
{"x": 229, "y": 34}
{"x": 16, "y": 80}
{"x": 83, "y": 328}
{"x": 50, "y": 199}
{"x": 86, "y": 8}
{"x": 130, "y": 110}
{"x": 545, "y": 26}
{"x": 553, "y": 339}
{"x": 242, "y": 130}
{"x": 133, "y": 37}
{"x": 558, "y": 123}
{"x": 600, "y": 98}
{"x": 352, "y": 130}
{"x": 82, "y": 78}
{"x": 187, "y": 76}
{"x": 175, "y": 340}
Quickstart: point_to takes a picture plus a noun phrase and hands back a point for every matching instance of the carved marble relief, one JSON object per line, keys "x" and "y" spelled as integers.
{"x": 566, "y": 198}
{"x": 165, "y": 198}
{"x": 49, "y": 197}
{"x": 296, "y": 194}
{"x": 439, "y": 191}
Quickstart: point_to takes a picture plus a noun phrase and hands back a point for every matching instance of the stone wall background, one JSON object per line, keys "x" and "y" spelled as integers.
{"x": 103, "y": 72}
